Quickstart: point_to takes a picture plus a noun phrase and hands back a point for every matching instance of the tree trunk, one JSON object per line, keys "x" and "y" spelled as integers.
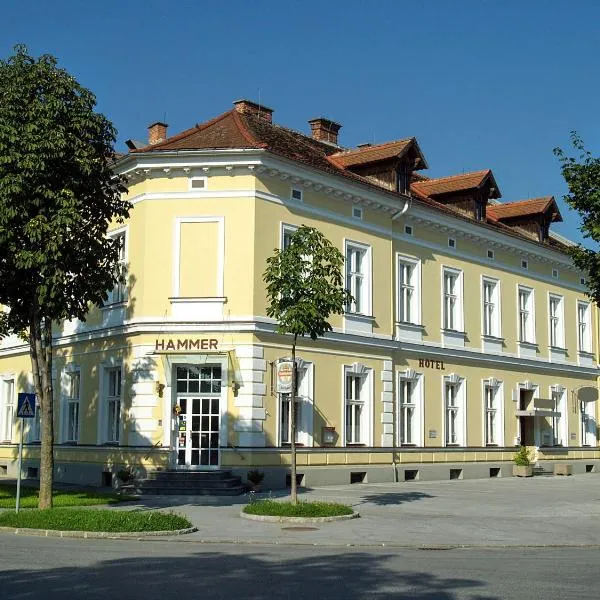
{"x": 40, "y": 348}
{"x": 294, "y": 486}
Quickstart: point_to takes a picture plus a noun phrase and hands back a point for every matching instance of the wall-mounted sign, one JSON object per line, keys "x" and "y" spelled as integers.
{"x": 432, "y": 434}
{"x": 185, "y": 345}
{"x": 427, "y": 363}
{"x": 284, "y": 370}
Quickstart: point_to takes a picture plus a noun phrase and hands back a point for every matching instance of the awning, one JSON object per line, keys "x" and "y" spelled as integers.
{"x": 537, "y": 412}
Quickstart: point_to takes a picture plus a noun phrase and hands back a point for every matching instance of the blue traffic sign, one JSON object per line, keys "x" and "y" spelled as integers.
{"x": 26, "y": 406}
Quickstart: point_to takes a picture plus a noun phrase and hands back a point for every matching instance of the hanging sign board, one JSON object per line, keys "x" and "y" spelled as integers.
{"x": 284, "y": 370}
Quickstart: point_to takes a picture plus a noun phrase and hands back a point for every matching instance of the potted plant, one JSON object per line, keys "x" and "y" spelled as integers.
{"x": 126, "y": 477}
{"x": 255, "y": 478}
{"x": 522, "y": 466}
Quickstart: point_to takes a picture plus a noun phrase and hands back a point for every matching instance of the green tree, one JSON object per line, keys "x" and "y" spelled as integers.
{"x": 305, "y": 285}
{"x": 58, "y": 197}
{"x": 582, "y": 175}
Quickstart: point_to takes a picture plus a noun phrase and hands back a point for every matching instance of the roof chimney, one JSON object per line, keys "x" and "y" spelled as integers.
{"x": 324, "y": 130}
{"x": 247, "y": 107}
{"x": 157, "y": 132}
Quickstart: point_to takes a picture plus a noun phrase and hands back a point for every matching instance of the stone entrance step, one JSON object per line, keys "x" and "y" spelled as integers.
{"x": 189, "y": 483}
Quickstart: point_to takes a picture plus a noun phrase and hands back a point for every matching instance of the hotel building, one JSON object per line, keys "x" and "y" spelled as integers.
{"x": 470, "y": 332}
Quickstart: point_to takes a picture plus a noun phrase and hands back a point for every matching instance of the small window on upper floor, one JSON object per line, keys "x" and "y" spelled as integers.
{"x": 197, "y": 183}
{"x": 451, "y": 243}
{"x": 524, "y": 264}
{"x": 357, "y": 212}
{"x": 555, "y": 273}
{"x": 408, "y": 230}
{"x": 491, "y": 255}
{"x": 582, "y": 281}
{"x": 297, "y": 195}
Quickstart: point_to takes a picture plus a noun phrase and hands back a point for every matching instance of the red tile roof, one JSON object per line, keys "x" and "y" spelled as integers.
{"x": 524, "y": 208}
{"x": 371, "y": 154}
{"x": 453, "y": 183}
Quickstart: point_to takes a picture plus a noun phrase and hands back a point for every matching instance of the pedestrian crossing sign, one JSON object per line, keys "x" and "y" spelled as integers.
{"x": 26, "y": 406}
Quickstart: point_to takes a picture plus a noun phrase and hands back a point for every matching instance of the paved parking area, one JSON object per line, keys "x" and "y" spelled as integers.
{"x": 540, "y": 511}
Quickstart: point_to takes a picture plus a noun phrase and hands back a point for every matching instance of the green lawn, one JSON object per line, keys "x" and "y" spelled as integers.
{"x": 29, "y": 497}
{"x": 302, "y": 509}
{"x": 82, "y": 519}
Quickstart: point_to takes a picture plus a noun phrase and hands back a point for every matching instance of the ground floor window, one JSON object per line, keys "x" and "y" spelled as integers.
{"x": 588, "y": 424}
{"x": 409, "y": 408}
{"x": 73, "y": 384}
{"x": 492, "y": 402}
{"x": 7, "y": 417}
{"x": 357, "y": 404}
{"x": 113, "y": 404}
{"x": 454, "y": 410}
{"x": 559, "y": 419}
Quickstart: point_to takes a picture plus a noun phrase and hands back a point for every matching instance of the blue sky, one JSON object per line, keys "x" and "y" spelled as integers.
{"x": 481, "y": 84}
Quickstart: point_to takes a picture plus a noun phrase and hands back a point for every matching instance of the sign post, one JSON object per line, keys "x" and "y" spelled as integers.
{"x": 25, "y": 410}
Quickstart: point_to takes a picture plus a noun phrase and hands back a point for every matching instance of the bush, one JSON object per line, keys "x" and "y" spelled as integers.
{"x": 302, "y": 509}
{"x": 113, "y": 521}
{"x": 522, "y": 457}
{"x": 255, "y": 476}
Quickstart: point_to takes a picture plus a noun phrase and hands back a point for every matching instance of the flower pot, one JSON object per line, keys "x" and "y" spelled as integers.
{"x": 522, "y": 471}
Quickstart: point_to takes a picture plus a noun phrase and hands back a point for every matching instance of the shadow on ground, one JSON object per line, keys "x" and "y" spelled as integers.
{"x": 249, "y": 574}
{"x": 393, "y": 498}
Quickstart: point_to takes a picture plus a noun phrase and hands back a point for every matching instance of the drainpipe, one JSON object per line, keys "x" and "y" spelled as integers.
{"x": 395, "y": 217}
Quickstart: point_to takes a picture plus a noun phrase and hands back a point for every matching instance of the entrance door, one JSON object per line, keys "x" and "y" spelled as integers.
{"x": 199, "y": 420}
{"x": 527, "y": 423}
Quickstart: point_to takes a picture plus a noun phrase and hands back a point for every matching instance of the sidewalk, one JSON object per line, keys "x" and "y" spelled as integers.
{"x": 540, "y": 511}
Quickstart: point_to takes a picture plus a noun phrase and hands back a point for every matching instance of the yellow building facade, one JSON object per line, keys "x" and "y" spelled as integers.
{"x": 470, "y": 332}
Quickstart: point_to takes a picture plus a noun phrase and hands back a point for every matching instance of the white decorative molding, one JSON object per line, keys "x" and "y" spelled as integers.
{"x": 454, "y": 339}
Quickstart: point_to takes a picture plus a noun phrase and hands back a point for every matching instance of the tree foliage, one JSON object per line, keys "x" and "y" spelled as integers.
{"x": 582, "y": 175}
{"x": 58, "y": 197}
{"x": 305, "y": 286}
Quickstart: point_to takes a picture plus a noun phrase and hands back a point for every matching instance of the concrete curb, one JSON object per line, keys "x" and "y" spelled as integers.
{"x": 95, "y": 534}
{"x": 278, "y": 519}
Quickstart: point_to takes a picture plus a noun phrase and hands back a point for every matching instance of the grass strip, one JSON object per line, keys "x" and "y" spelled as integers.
{"x": 30, "y": 497}
{"x": 275, "y": 508}
{"x": 113, "y": 521}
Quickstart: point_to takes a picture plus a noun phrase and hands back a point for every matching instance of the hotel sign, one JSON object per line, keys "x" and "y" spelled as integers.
{"x": 186, "y": 345}
{"x": 426, "y": 363}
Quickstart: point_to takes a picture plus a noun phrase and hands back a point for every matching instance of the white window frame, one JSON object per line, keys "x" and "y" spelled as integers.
{"x": 365, "y": 400}
{"x": 103, "y": 412}
{"x": 197, "y": 178}
{"x": 364, "y": 304}
{"x": 304, "y": 407}
{"x": 413, "y": 286}
{"x": 300, "y": 191}
{"x": 113, "y": 434}
{"x": 416, "y": 433}
{"x": 558, "y": 393}
{"x": 588, "y": 423}
{"x": 457, "y": 320}
{"x": 286, "y": 230}
{"x": 526, "y": 315}
{"x": 460, "y": 423}
{"x": 118, "y": 294}
{"x": 491, "y": 255}
{"x": 556, "y": 321}
{"x": 409, "y": 230}
{"x": 584, "y": 327}
{"x": 7, "y": 407}
{"x": 357, "y": 212}
{"x": 491, "y": 306}
{"x": 496, "y": 389}
{"x": 71, "y": 431}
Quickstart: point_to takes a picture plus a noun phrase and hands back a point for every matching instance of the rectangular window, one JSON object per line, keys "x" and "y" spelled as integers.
{"x": 491, "y": 415}
{"x": 556, "y": 321}
{"x": 356, "y": 400}
{"x": 584, "y": 328}
{"x": 119, "y": 292}
{"x": 407, "y": 424}
{"x": 197, "y": 183}
{"x": 452, "y": 413}
{"x": 72, "y": 407}
{"x": 452, "y": 299}
{"x": 357, "y": 278}
{"x": 558, "y": 418}
{"x": 8, "y": 409}
{"x": 526, "y": 316}
{"x": 357, "y": 212}
{"x": 408, "y": 292}
{"x": 287, "y": 231}
{"x": 113, "y": 404}
{"x": 491, "y": 308}
{"x": 297, "y": 194}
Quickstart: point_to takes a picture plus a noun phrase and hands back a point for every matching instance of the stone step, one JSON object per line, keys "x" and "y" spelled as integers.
{"x": 217, "y": 483}
{"x": 188, "y": 475}
{"x": 188, "y": 483}
{"x": 176, "y": 491}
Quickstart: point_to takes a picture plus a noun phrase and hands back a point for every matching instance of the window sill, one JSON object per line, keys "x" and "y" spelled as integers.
{"x": 359, "y": 315}
{"x": 492, "y": 338}
{"x": 409, "y": 332}
{"x": 70, "y": 444}
{"x": 357, "y": 445}
{"x": 114, "y": 305}
{"x": 527, "y": 349}
{"x": 453, "y": 338}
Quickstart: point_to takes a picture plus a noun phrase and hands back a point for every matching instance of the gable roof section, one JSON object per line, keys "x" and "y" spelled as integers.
{"x": 525, "y": 208}
{"x": 380, "y": 152}
{"x": 454, "y": 183}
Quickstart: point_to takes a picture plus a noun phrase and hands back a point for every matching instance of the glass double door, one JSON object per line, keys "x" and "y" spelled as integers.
{"x": 199, "y": 419}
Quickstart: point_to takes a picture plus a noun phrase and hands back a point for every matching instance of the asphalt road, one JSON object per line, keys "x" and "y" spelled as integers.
{"x": 53, "y": 568}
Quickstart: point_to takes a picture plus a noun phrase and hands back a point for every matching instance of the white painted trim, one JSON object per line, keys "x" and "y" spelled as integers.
{"x": 416, "y": 262}
{"x": 193, "y": 178}
{"x": 497, "y": 296}
{"x": 461, "y": 395}
{"x": 368, "y": 275}
{"x": 530, "y": 335}
{"x": 460, "y": 313}
{"x": 561, "y": 321}
{"x": 366, "y": 372}
{"x": 220, "y": 250}
{"x": 419, "y": 393}
{"x": 498, "y": 387}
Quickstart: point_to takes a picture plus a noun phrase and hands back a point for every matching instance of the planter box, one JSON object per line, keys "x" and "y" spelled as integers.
{"x": 563, "y": 469}
{"x": 522, "y": 470}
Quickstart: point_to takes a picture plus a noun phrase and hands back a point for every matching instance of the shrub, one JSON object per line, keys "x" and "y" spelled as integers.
{"x": 522, "y": 457}
{"x": 255, "y": 476}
